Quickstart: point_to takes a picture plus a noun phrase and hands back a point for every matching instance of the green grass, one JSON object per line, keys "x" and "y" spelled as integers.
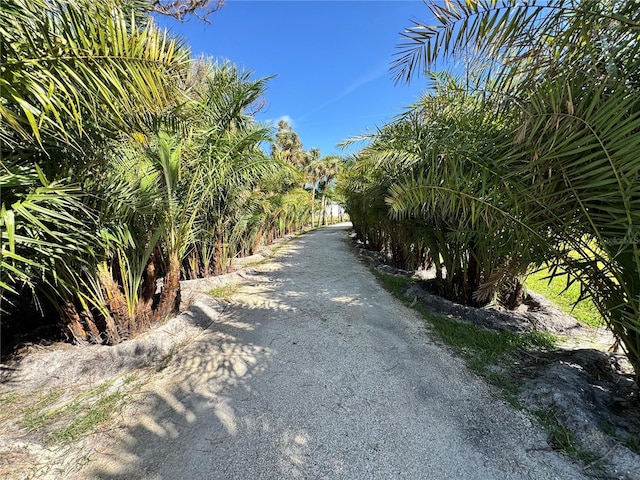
{"x": 490, "y": 354}
{"x": 482, "y": 346}
{"x": 633, "y": 444}
{"x": 394, "y": 284}
{"x": 8, "y": 398}
{"x": 487, "y": 352}
{"x": 63, "y": 421}
{"x": 88, "y": 419}
{"x": 564, "y": 298}
{"x": 560, "y": 437}
{"x": 8, "y": 404}
{"x": 223, "y": 291}
{"x": 255, "y": 263}
{"x": 37, "y": 415}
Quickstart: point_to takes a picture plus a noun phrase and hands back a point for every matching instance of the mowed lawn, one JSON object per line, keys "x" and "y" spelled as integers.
{"x": 565, "y": 298}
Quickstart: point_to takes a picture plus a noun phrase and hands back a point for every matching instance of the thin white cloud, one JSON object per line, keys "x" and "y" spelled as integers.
{"x": 285, "y": 118}
{"x": 371, "y": 76}
{"x": 361, "y": 81}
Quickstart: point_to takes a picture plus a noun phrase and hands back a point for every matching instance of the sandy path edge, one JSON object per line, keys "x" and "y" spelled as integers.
{"x": 314, "y": 371}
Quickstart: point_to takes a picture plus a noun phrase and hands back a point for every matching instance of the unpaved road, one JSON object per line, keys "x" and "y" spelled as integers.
{"x": 315, "y": 372}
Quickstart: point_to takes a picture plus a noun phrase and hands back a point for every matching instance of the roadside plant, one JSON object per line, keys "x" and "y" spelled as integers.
{"x": 566, "y": 75}
{"x": 67, "y": 93}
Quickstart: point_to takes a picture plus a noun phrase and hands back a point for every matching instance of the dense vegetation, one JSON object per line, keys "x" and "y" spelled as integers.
{"x": 527, "y": 158}
{"x": 127, "y": 165}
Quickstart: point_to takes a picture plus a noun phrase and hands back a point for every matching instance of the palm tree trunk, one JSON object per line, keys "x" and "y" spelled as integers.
{"x": 323, "y": 211}
{"x": 143, "y": 311}
{"x": 170, "y": 295}
{"x": 313, "y": 205}
{"x": 217, "y": 256}
{"x": 472, "y": 273}
{"x": 72, "y": 323}
{"x": 81, "y": 327}
{"x": 206, "y": 269}
{"x": 116, "y": 303}
{"x": 192, "y": 265}
{"x": 151, "y": 274}
{"x": 111, "y": 331}
{"x": 515, "y": 295}
{"x": 206, "y": 262}
{"x": 150, "y": 277}
{"x": 256, "y": 241}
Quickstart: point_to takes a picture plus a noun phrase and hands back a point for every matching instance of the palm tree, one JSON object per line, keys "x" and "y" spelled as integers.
{"x": 67, "y": 91}
{"x": 228, "y": 140}
{"x": 52, "y": 47}
{"x": 331, "y": 169}
{"x": 412, "y": 165}
{"x": 105, "y": 186}
{"x": 288, "y": 146}
{"x": 567, "y": 73}
{"x": 314, "y": 172}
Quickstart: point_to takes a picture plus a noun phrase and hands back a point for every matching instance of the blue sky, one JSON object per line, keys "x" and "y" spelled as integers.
{"x": 331, "y": 59}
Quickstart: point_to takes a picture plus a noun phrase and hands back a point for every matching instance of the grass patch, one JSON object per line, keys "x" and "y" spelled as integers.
{"x": 560, "y": 437}
{"x": 223, "y": 291}
{"x": 255, "y": 263}
{"x": 59, "y": 421}
{"x": 487, "y": 352}
{"x": 482, "y": 346}
{"x": 632, "y": 444}
{"x": 9, "y": 403}
{"x": 7, "y": 399}
{"x": 88, "y": 419}
{"x": 565, "y": 298}
{"x": 475, "y": 343}
{"x": 394, "y": 284}
{"x": 38, "y": 414}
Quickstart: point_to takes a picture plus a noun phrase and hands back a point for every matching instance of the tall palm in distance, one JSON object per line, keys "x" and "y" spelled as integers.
{"x": 314, "y": 172}
{"x": 332, "y": 165}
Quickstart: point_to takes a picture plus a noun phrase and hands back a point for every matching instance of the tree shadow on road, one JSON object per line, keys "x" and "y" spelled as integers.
{"x": 195, "y": 410}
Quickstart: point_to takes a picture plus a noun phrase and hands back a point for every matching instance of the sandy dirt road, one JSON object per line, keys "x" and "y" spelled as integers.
{"x": 313, "y": 371}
